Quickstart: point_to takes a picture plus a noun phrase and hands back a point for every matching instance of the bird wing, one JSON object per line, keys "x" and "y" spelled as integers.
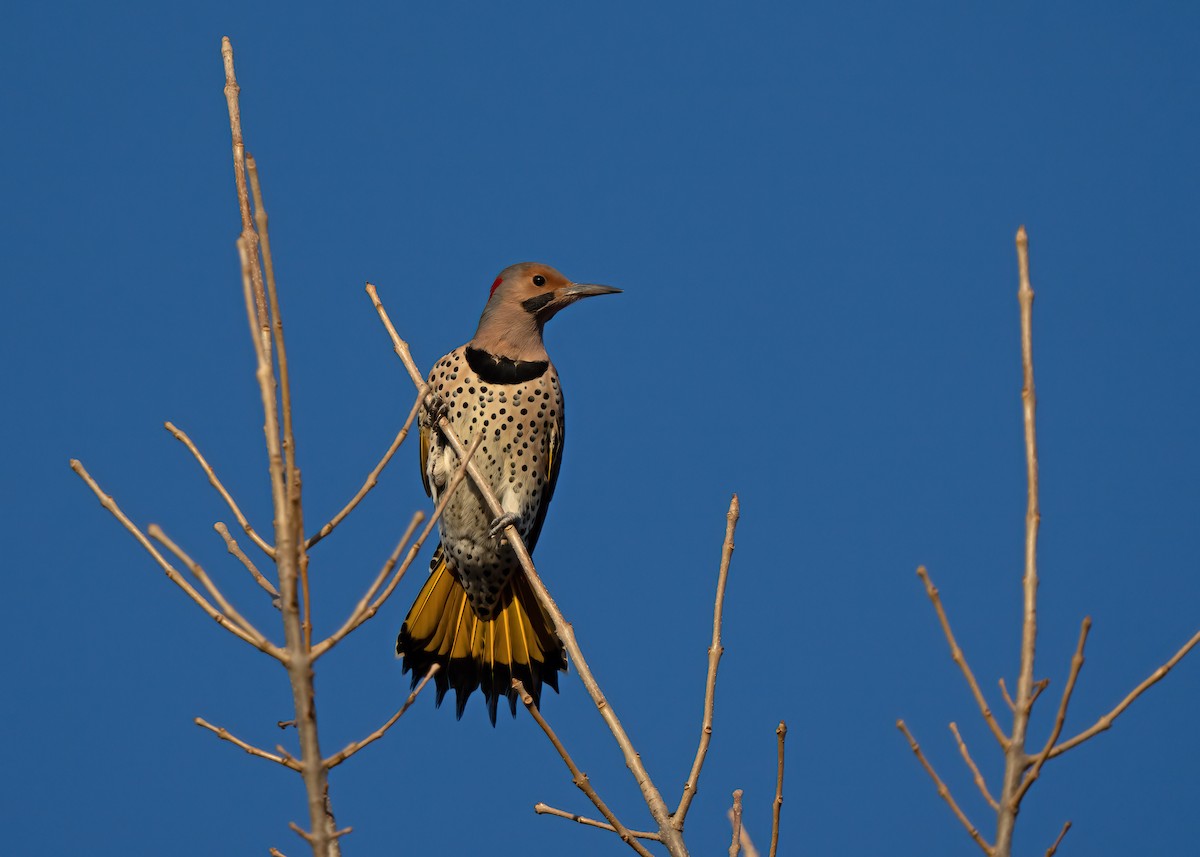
{"x": 425, "y": 438}
{"x": 554, "y": 460}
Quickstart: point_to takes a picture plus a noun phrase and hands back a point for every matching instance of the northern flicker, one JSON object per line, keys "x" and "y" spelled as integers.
{"x": 476, "y": 616}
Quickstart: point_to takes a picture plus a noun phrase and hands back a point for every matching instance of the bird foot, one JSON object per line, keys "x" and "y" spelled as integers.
{"x": 500, "y": 523}
{"x": 437, "y": 407}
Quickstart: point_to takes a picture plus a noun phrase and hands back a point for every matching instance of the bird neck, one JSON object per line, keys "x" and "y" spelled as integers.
{"x": 509, "y": 331}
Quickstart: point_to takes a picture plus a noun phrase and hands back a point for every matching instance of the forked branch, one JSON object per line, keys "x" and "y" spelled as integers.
{"x": 577, "y": 776}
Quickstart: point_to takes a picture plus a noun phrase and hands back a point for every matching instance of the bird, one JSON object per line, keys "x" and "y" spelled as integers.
{"x": 476, "y": 616}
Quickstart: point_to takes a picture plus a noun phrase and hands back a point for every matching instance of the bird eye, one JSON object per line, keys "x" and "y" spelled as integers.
{"x": 539, "y": 280}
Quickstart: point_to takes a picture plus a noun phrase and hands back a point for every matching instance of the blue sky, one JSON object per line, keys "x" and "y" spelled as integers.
{"x": 811, "y": 212}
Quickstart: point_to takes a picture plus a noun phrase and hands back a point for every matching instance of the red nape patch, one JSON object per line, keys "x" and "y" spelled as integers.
{"x": 495, "y": 286}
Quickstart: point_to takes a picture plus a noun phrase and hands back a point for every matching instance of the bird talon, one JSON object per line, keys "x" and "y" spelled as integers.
{"x": 501, "y": 523}
{"x": 437, "y": 408}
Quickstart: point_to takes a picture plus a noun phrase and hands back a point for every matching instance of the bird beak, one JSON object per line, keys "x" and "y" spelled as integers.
{"x": 575, "y": 291}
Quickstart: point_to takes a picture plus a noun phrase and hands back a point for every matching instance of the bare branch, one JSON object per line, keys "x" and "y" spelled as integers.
{"x": 1038, "y": 687}
{"x": 1016, "y": 759}
{"x": 232, "y": 91}
{"x": 545, "y": 809}
{"x": 1008, "y": 699}
{"x": 333, "y": 835}
{"x": 232, "y": 546}
{"x": 1053, "y": 848}
{"x": 285, "y": 388}
{"x": 275, "y": 852}
{"x": 226, "y": 735}
{"x": 577, "y": 776}
{"x": 736, "y": 844}
{"x": 354, "y": 746}
{"x": 781, "y": 731}
{"x": 744, "y": 839}
{"x": 282, "y": 751}
{"x": 944, "y": 792}
{"x": 155, "y": 532}
{"x": 959, "y": 658}
{"x": 714, "y": 658}
{"x": 398, "y": 344}
{"x": 372, "y": 477}
{"x": 979, "y": 780}
{"x": 290, "y": 471}
{"x": 221, "y": 619}
{"x": 1106, "y": 722}
{"x": 1061, "y": 716}
{"x": 182, "y": 437}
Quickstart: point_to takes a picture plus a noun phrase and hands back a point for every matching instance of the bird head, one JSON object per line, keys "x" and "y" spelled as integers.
{"x": 523, "y": 298}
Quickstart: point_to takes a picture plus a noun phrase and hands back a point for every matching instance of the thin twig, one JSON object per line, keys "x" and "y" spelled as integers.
{"x": 748, "y": 849}
{"x": 944, "y": 792}
{"x": 282, "y": 751}
{"x": 225, "y": 735}
{"x": 155, "y": 532}
{"x": 1038, "y": 687}
{"x": 232, "y": 546}
{"x": 1061, "y": 716}
{"x": 232, "y": 91}
{"x": 1053, "y": 848}
{"x": 777, "y": 806}
{"x": 979, "y": 780}
{"x": 291, "y": 473}
{"x": 959, "y": 658}
{"x": 1016, "y": 759}
{"x": 544, "y": 809}
{"x": 372, "y": 477}
{"x": 577, "y": 776}
{"x": 714, "y": 658}
{"x": 736, "y": 823}
{"x": 173, "y": 573}
{"x": 1008, "y": 699}
{"x": 275, "y": 852}
{"x": 182, "y": 437}
{"x": 1106, "y": 722}
{"x": 650, "y": 793}
{"x": 354, "y": 746}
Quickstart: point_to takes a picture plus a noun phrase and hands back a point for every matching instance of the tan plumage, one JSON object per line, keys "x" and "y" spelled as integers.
{"x": 476, "y": 616}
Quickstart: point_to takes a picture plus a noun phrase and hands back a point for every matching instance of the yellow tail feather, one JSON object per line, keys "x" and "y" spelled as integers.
{"x": 517, "y": 642}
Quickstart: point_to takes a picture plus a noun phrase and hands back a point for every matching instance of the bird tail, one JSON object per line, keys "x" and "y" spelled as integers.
{"x": 517, "y": 642}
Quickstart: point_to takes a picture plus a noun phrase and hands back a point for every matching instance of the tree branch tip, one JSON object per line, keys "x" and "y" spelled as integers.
{"x": 781, "y": 729}
{"x": 308, "y": 837}
{"x": 1022, "y": 236}
{"x": 520, "y": 689}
